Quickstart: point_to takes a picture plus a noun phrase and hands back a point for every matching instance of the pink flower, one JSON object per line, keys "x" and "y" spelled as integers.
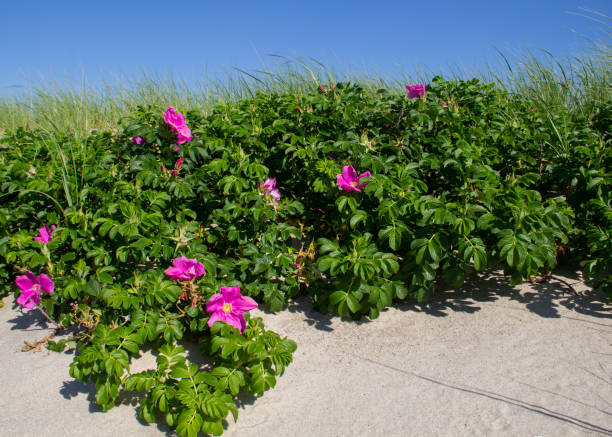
{"x": 444, "y": 105}
{"x": 184, "y": 135}
{"x": 176, "y": 122}
{"x": 173, "y": 118}
{"x": 330, "y": 156}
{"x": 298, "y": 109}
{"x": 178, "y": 163}
{"x": 269, "y": 185}
{"x": 45, "y": 234}
{"x": 138, "y": 140}
{"x": 228, "y": 307}
{"x": 531, "y": 109}
{"x": 416, "y": 91}
{"x": 31, "y": 287}
{"x": 349, "y": 181}
{"x": 185, "y": 269}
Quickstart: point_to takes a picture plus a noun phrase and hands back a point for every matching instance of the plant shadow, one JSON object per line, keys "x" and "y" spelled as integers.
{"x": 544, "y": 299}
{"x": 30, "y": 320}
{"x": 314, "y": 318}
{"x": 242, "y": 399}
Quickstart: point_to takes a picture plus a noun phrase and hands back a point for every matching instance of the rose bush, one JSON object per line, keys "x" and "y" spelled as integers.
{"x": 147, "y": 234}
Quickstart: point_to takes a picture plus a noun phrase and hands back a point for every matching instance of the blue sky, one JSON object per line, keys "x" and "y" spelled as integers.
{"x": 60, "y": 39}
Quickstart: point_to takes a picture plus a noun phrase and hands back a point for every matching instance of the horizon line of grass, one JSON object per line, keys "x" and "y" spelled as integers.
{"x": 579, "y": 84}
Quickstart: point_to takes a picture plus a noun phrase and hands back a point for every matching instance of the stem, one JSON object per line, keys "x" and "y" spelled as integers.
{"x": 53, "y": 322}
{"x": 47, "y": 255}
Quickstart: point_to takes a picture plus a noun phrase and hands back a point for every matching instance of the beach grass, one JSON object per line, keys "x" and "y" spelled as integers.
{"x": 577, "y": 84}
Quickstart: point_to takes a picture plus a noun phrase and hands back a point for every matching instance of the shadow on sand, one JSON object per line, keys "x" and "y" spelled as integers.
{"x": 544, "y": 299}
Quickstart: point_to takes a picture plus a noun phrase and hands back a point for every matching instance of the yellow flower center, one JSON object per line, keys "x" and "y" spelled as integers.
{"x": 227, "y": 308}
{"x": 35, "y": 287}
{"x": 354, "y": 184}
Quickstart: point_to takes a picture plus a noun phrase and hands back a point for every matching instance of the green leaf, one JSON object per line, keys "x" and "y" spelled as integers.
{"x": 352, "y": 302}
{"x": 419, "y": 255}
{"x": 359, "y": 216}
{"x": 433, "y": 252}
{"x": 400, "y": 290}
{"x": 183, "y": 371}
{"x": 189, "y": 423}
{"x": 324, "y": 263}
{"x": 337, "y": 296}
{"x": 67, "y": 257}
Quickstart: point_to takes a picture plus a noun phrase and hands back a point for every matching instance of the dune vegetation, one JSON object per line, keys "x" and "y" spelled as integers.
{"x": 145, "y": 213}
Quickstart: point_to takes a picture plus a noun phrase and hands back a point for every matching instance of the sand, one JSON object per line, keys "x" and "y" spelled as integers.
{"x": 490, "y": 359}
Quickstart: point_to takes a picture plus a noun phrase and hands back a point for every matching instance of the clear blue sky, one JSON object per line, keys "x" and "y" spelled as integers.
{"x": 57, "y": 39}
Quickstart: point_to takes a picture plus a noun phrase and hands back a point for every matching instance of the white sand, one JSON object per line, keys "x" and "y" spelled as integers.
{"x": 499, "y": 361}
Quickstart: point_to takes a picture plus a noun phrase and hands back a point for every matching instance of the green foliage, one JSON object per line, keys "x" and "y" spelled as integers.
{"x": 466, "y": 179}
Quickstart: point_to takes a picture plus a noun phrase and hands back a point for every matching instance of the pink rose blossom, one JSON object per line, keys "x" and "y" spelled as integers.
{"x": 138, "y": 140}
{"x": 178, "y": 163}
{"x": 444, "y": 105}
{"x": 228, "y": 307}
{"x": 184, "y": 135}
{"x": 298, "y": 109}
{"x": 173, "y": 118}
{"x": 349, "y": 181}
{"x": 416, "y": 91}
{"x": 45, "y": 234}
{"x": 269, "y": 185}
{"x": 330, "y": 156}
{"x": 185, "y": 269}
{"x": 176, "y": 122}
{"x": 31, "y": 288}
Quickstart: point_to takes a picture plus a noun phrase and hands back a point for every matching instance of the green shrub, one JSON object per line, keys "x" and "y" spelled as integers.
{"x": 470, "y": 177}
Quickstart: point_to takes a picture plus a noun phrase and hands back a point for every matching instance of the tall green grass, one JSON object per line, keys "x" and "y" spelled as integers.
{"x": 580, "y": 84}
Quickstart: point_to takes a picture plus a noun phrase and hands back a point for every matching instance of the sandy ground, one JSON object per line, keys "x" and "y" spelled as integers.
{"x": 494, "y": 361}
